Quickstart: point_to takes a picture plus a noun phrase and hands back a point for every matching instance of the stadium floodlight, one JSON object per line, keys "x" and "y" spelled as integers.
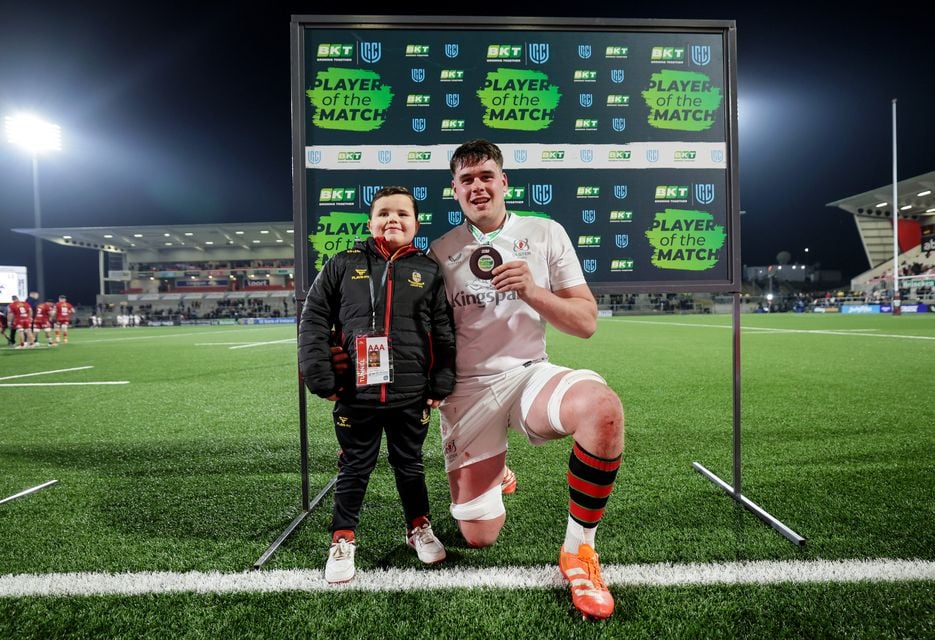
{"x": 36, "y": 136}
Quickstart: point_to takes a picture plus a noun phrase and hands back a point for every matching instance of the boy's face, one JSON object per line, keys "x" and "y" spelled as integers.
{"x": 393, "y": 219}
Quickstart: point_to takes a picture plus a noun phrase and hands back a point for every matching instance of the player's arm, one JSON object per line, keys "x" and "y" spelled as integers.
{"x": 572, "y": 310}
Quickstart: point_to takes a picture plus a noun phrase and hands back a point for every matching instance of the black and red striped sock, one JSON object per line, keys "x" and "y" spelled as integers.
{"x": 590, "y": 481}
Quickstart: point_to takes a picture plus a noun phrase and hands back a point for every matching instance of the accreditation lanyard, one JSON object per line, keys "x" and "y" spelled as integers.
{"x": 374, "y": 359}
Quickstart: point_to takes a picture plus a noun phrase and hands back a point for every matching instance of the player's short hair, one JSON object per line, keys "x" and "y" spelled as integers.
{"x": 61, "y": 297}
{"x": 393, "y": 191}
{"x": 474, "y": 152}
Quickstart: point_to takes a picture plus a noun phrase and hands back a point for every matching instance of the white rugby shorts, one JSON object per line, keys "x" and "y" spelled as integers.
{"x": 475, "y": 418}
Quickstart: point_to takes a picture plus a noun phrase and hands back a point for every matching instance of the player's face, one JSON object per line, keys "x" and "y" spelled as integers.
{"x": 393, "y": 219}
{"x": 479, "y": 189}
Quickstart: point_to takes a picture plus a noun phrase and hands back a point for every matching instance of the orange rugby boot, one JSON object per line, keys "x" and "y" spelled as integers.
{"x": 508, "y": 484}
{"x": 588, "y": 593}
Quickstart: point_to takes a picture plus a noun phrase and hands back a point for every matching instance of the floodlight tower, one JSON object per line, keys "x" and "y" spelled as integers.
{"x": 35, "y": 136}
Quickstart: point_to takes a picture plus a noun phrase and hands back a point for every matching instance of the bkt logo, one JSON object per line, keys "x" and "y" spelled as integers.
{"x": 585, "y": 124}
{"x": 704, "y": 193}
{"x": 333, "y": 51}
{"x": 420, "y": 193}
{"x": 701, "y": 54}
{"x": 685, "y": 156}
{"x": 616, "y": 52}
{"x": 617, "y": 156}
{"x": 449, "y": 193}
{"x": 622, "y": 240}
{"x": 418, "y": 100}
{"x": 419, "y": 156}
{"x": 349, "y": 156}
{"x": 425, "y": 218}
{"x": 417, "y": 50}
{"x": 621, "y": 216}
{"x": 618, "y": 100}
{"x": 368, "y": 191}
{"x": 371, "y": 51}
{"x": 514, "y": 193}
{"x": 553, "y": 156}
{"x": 538, "y": 52}
{"x": 668, "y": 54}
{"x": 452, "y": 125}
{"x": 585, "y": 75}
{"x": 588, "y": 216}
{"x": 452, "y": 75}
{"x": 589, "y": 265}
{"x": 671, "y": 192}
{"x": 454, "y": 218}
{"x": 621, "y": 265}
{"x": 588, "y": 191}
{"x": 504, "y": 51}
{"x": 589, "y": 241}
{"x": 541, "y": 193}
{"x": 337, "y": 195}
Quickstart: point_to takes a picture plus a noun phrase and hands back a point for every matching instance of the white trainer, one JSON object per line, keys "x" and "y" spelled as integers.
{"x": 340, "y": 565}
{"x": 429, "y": 548}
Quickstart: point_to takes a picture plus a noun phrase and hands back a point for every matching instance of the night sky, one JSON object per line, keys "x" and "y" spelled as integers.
{"x": 179, "y": 114}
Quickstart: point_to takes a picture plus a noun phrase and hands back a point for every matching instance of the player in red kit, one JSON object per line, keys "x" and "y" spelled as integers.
{"x": 19, "y": 315}
{"x": 42, "y": 320}
{"x": 63, "y": 313}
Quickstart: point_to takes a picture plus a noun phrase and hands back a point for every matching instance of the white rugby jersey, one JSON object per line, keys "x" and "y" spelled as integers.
{"x": 498, "y": 331}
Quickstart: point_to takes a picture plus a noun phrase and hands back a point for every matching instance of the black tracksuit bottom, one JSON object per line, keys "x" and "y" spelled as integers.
{"x": 359, "y": 432}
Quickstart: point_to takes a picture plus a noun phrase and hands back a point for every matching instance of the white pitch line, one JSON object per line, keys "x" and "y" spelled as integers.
{"x": 260, "y": 344}
{"x": 43, "y": 373}
{"x": 60, "y": 384}
{"x": 539, "y": 577}
{"x": 843, "y": 332}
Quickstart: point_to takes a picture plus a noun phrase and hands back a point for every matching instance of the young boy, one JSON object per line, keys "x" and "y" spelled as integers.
{"x": 384, "y": 303}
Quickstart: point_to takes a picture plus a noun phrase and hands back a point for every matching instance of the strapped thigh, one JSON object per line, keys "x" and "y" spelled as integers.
{"x": 555, "y": 400}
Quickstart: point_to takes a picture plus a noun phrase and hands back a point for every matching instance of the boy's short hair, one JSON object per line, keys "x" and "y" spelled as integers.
{"x": 392, "y": 191}
{"x": 474, "y": 152}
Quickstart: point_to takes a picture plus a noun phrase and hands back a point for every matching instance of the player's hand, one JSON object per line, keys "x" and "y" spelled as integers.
{"x": 340, "y": 361}
{"x": 514, "y": 276}
{"x": 431, "y": 403}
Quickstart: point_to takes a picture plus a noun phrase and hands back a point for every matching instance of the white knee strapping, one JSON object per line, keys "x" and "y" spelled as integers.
{"x": 555, "y": 400}
{"x": 486, "y": 506}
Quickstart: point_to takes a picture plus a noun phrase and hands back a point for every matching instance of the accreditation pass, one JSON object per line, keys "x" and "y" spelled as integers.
{"x": 373, "y": 359}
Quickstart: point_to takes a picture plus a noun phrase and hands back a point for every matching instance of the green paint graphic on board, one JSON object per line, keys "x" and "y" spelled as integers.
{"x": 685, "y": 240}
{"x": 349, "y": 99}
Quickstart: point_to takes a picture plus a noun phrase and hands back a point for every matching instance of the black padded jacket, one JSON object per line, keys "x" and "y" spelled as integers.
{"x": 409, "y": 304}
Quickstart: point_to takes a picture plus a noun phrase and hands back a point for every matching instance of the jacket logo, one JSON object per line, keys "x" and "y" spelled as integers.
{"x": 415, "y": 280}
{"x": 361, "y": 274}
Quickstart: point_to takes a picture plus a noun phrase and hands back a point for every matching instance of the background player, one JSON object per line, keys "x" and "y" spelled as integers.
{"x": 62, "y": 318}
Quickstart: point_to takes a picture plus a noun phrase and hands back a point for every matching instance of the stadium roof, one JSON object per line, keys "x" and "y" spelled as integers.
{"x": 201, "y": 237}
{"x": 916, "y": 199}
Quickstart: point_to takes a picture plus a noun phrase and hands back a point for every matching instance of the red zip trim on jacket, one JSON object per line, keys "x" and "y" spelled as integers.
{"x": 387, "y": 314}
